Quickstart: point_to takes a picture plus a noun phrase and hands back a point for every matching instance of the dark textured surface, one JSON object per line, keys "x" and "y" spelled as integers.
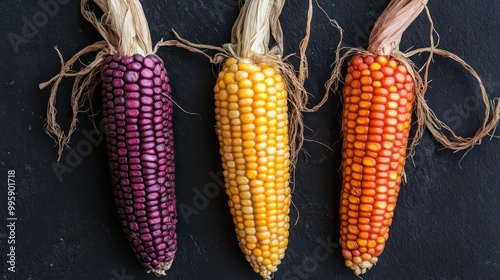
{"x": 447, "y": 220}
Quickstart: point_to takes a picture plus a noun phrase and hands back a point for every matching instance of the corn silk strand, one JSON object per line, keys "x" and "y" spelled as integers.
{"x": 384, "y": 40}
{"x": 257, "y": 22}
{"x": 125, "y": 30}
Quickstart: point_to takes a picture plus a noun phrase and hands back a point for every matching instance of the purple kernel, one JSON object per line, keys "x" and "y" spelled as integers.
{"x": 129, "y": 209}
{"x": 133, "y": 148}
{"x": 157, "y": 71}
{"x": 148, "y": 62}
{"x": 158, "y": 105}
{"x": 147, "y": 133}
{"x": 134, "y": 154}
{"x": 146, "y": 237}
{"x": 159, "y": 133}
{"x": 132, "y": 104}
{"x": 136, "y": 179}
{"x": 156, "y": 233}
{"x": 133, "y": 141}
{"x": 140, "y": 206}
{"x": 119, "y": 109}
{"x": 158, "y": 120}
{"x": 149, "y": 171}
{"x": 135, "y": 167}
{"x": 147, "y": 91}
{"x": 150, "y": 158}
{"x": 160, "y": 148}
{"x": 157, "y": 81}
{"x": 147, "y": 115}
{"x": 160, "y": 140}
{"x": 131, "y": 77}
{"x": 153, "y": 188}
{"x": 127, "y": 59}
{"x": 124, "y": 181}
{"x": 148, "y": 139}
{"x": 132, "y": 113}
{"x": 161, "y": 180}
{"x": 134, "y": 66}
{"x": 117, "y": 83}
{"x": 139, "y": 200}
{"x": 154, "y": 221}
{"x": 146, "y": 109}
{"x": 119, "y": 100}
{"x": 147, "y": 83}
{"x": 157, "y": 90}
{"x": 133, "y": 226}
{"x": 156, "y": 59}
{"x": 138, "y": 57}
{"x": 146, "y": 127}
{"x": 151, "y": 183}
{"x": 108, "y": 72}
{"x": 108, "y": 59}
{"x": 123, "y": 167}
{"x": 150, "y": 250}
{"x": 117, "y": 57}
{"x": 122, "y": 160}
{"x": 147, "y": 73}
{"x": 158, "y": 241}
{"x": 139, "y": 193}
{"x": 153, "y": 196}
{"x": 113, "y": 65}
{"x": 149, "y": 165}
{"x": 120, "y": 123}
{"x": 140, "y": 213}
{"x": 132, "y": 87}
{"x": 135, "y": 159}
{"x": 137, "y": 187}
{"x": 146, "y": 100}
{"x": 150, "y": 177}
{"x": 131, "y": 127}
{"x": 117, "y": 74}
{"x": 118, "y": 92}
{"x": 122, "y": 152}
{"x": 154, "y": 214}
{"x": 148, "y": 146}
{"x": 144, "y": 121}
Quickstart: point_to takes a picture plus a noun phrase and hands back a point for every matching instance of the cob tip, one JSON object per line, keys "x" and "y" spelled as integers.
{"x": 162, "y": 271}
{"x": 360, "y": 266}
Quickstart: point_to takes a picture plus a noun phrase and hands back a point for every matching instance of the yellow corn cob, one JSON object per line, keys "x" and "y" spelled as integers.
{"x": 252, "y": 127}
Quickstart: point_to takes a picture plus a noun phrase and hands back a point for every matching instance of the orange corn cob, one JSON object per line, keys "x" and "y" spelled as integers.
{"x": 378, "y": 96}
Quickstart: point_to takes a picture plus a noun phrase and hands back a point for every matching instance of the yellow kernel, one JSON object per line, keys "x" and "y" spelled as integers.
{"x": 245, "y": 83}
{"x": 247, "y": 118}
{"x": 380, "y": 204}
{"x": 245, "y": 93}
{"x": 376, "y": 84}
{"x": 251, "y": 239}
{"x": 375, "y": 66}
{"x": 229, "y": 78}
{"x": 351, "y": 244}
{"x": 259, "y": 87}
{"x": 257, "y": 77}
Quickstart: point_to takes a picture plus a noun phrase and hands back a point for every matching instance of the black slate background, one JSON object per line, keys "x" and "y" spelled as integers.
{"x": 447, "y": 221}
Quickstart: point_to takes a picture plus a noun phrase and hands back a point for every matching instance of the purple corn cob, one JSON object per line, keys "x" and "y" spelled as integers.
{"x": 137, "y": 115}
